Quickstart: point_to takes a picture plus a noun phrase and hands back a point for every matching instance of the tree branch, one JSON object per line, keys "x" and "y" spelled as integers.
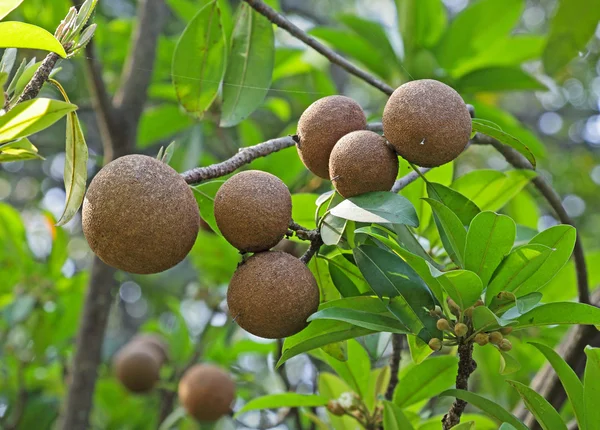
{"x": 397, "y": 346}
{"x": 283, "y": 23}
{"x": 33, "y": 87}
{"x": 466, "y": 366}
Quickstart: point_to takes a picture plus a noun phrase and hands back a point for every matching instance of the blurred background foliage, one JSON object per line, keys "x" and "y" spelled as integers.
{"x": 492, "y": 57}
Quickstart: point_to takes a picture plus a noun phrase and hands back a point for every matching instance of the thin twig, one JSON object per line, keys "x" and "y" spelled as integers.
{"x": 33, "y": 87}
{"x": 466, "y": 366}
{"x": 314, "y": 247}
{"x": 397, "y": 346}
{"x": 408, "y": 179}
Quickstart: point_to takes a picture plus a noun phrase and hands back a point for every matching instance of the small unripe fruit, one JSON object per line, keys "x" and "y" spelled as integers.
{"x": 506, "y": 330}
{"x": 505, "y": 345}
{"x": 206, "y": 392}
{"x": 435, "y": 344}
{"x": 137, "y": 367}
{"x": 335, "y": 408}
{"x": 454, "y": 308}
{"x": 469, "y": 312}
{"x": 461, "y": 329}
{"x": 443, "y": 324}
{"x": 481, "y": 339}
{"x": 496, "y": 337}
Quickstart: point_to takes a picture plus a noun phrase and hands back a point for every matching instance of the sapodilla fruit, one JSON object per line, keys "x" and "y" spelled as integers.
{"x": 139, "y": 215}
{"x": 137, "y": 367}
{"x": 153, "y": 343}
{"x": 427, "y": 122}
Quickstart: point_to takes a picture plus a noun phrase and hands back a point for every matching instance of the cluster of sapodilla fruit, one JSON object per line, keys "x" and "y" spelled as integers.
{"x": 139, "y": 215}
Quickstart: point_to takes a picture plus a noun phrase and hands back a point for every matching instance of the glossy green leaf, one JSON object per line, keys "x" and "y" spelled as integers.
{"x": 75, "y": 173}
{"x": 467, "y": 425}
{"x": 342, "y": 282}
{"x": 332, "y": 229}
{"x": 205, "y": 196}
{"x": 199, "y": 60}
{"x": 488, "y": 406}
{"x": 350, "y": 270}
{"x": 484, "y": 319}
{"x": 452, "y": 231}
{"x": 495, "y": 79}
{"x": 425, "y": 380}
{"x": 464, "y": 208}
{"x": 320, "y": 270}
{"x": 373, "y": 33}
{"x": 394, "y": 418}
{"x": 333, "y": 387}
{"x": 421, "y": 22}
{"x": 508, "y": 363}
{"x": 541, "y": 409}
{"x": 390, "y": 276}
{"x": 462, "y": 286}
{"x": 516, "y": 268}
{"x": 411, "y": 244}
{"x": 303, "y": 209}
{"x": 560, "y": 313}
{"x": 507, "y": 139}
{"x": 489, "y": 239}
{"x": 591, "y": 387}
{"x": 249, "y": 68}
{"x": 22, "y": 35}
{"x": 19, "y": 150}
{"x": 32, "y": 116}
{"x": 570, "y": 31}
{"x": 384, "y": 321}
{"x": 419, "y": 350}
{"x": 283, "y": 400}
{"x": 569, "y": 380}
{"x": 7, "y": 6}
{"x": 377, "y": 207}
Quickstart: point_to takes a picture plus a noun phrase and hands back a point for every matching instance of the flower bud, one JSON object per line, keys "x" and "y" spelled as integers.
{"x": 435, "y": 344}
{"x": 482, "y": 339}
{"x": 461, "y": 329}
{"x": 335, "y": 408}
{"x": 479, "y": 303}
{"x": 469, "y": 311}
{"x": 506, "y": 330}
{"x": 505, "y": 345}
{"x": 496, "y": 337}
{"x": 443, "y": 324}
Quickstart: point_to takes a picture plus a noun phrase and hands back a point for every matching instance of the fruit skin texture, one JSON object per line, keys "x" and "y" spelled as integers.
{"x": 431, "y": 112}
{"x": 362, "y": 162}
{"x": 206, "y": 392}
{"x": 137, "y": 367}
{"x": 253, "y": 210}
{"x": 139, "y": 215}
{"x": 272, "y": 294}
{"x": 153, "y": 343}
{"x": 321, "y": 125}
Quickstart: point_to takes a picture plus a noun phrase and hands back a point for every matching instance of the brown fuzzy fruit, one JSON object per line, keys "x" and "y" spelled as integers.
{"x": 253, "y": 210}
{"x": 139, "y": 215}
{"x": 321, "y": 125}
{"x": 154, "y": 343}
{"x": 427, "y": 122}
{"x": 206, "y": 392}
{"x": 272, "y": 294}
{"x": 362, "y": 162}
{"x": 137, "y": 367}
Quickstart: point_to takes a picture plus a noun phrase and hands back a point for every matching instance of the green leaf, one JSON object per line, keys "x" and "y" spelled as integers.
{"x": 320, "y": 270}
{"x": 394, "y": 418}
{"x": 205, "y": 196}
{"x": 464, "y": 208}
{"x": 541, "y": 409}
{"x": 161, "y": 122}
{"x": 21, "y": 35}
{"x": 489, "y": 239}
{"x": 377, "y": 207}
{"x": 516, "y": 268}
{"x": 199, "y": 60}
{"x": 496, "y": 79}
{"x": 350, "y": 270}
{"x": 283, "y": 400}
{"x": 390, "y": 276}
{"x": 508, "y": 363}
{"x": 421, "y": 22}
{"x": 560, "y": 313}
{"x": 332, "y": 229}
{"x": 507, "y": 139}
{"x": 249, "y": 68}
{"x": 75, "y": 173}
{"x": 475, "y": 29}
{"x": 21, "y": 149}
{"x": 570, "y": 31}
{"x": 373, "y": 33}
{"x": 303, "y": 211}
{"x": 484, "y": 319}
{"x": 32, "y": 116}
{"x": 333, "y": 387}
{"x": 569, "y": 380}
{"x": 561, "y": 239}
{"x": 452, "y": 231}
{"x": 342, "y": 282}
{"x": 488, "y": 406}
{"x": 463, "y": 286}
{"x": 425, "y": 380}
{"x": 384, "y": 321}
{"x": 7, "y": 6}
{"x": 419, "y": 350}
{"x": 465, "y": 426}
{"x": 7, "y": 61}
{"x": 591, "y": 387}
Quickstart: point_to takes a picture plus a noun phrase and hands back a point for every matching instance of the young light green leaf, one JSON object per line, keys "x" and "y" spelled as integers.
{"x": 452, "y": 231}
{"x": 569, "y": 380}
{"x": 485, "y": 319}
{"x": 8, "y": 60}
{"x": 559, "y": 313}
{"x": 199, "y": 61}
{"x": 21, "y": 35}
{"x": 464, "y": 208}
{"x": 283, "y": 400}
{"x": 487, "y": 406}
{"x": 332, "y": 229}
{"x": 7, "y": 6}
{"x": 489, "y": 239}
{"x": 75, "y": 173}
{"x": 541, "y": 409}
{"x": 419, "y": 350}
{"x": 508, "y": 363}
{"x": 394, "y": 418}
{"x": 507, "y": 139}
{"x": 372, "y": 32}
{"x": 32, "y": 116}
{"x": 384, "y": 322}
{"x": 462, "y": 286}
{"x": 425, "y": 380}
{"x": 468, "y": 425}
{"x": 591, "y": 387}
{"x": 250, "y": 66}
{"x": 19, "y": 150}
{"x": 205, "y": 196}
{"x": 377, "y": 207}
{"x": 570, "y": 30}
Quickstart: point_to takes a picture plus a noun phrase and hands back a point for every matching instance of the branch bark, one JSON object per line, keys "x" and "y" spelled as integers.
{"x": 466, "y": 366}
{"x": 34, "y": 86}
{"x": 397, "y": 346}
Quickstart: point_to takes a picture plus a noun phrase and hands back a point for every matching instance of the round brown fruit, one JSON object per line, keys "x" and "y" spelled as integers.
{"x": 362, "y": 162}
{"x": 272, "y": 294}
{"x": 427, "y": 122}
{"x": 253, "y": 210}
{"x": 154, "y": 343}
{"x": 137, "y": 367}
{"x": 321, "y": 125}
{"x": 139, "y": 215}
{"x": 206, "y": 392}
